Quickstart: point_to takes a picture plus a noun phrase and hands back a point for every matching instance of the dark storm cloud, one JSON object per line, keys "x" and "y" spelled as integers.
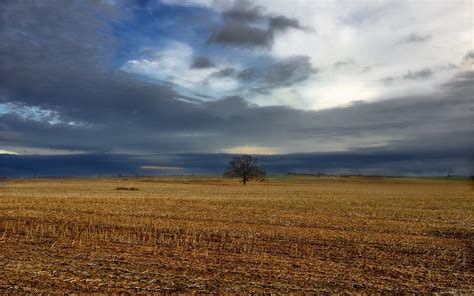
{"x": 282, "y": 73}
{"x": 58, "y": 58}
{"x": 462, "y": 86}
{"x": 364, "y": 162}
{"x": 228, "y": 105}
{"x": 244, "y": 11}
{"x": 245, "y": 25}
{"x": 278, "y": 73}
{"x": 55, "y": 61}
{"x": 60, "y": 64}
{"x": 420, "y": 74}
{"x": 414, "y": 118}
{"x": 202, "y": 63}
{"x": 437, "y": 125}
{"x": 69, "y": 165}
{"x": 241, "y": 34}
{"x": 282, "y": 23}
{"x": 370, "y": 163}
{"x": 414, "y": 38}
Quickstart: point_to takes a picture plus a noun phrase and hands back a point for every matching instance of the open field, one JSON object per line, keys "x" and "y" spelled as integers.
{"x": 296, "y": 234}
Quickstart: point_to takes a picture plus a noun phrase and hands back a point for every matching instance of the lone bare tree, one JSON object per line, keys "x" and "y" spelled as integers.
{"x": 245, "y": 167}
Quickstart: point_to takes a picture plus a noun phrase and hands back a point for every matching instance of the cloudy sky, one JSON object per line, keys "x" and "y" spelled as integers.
{"x": 362, "y": 86}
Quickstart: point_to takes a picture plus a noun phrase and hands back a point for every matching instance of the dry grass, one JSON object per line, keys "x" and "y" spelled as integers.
{"x": 214, "y": 235}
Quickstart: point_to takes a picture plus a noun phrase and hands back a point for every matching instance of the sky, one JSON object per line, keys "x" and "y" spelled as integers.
{"x": 178, "y": 86}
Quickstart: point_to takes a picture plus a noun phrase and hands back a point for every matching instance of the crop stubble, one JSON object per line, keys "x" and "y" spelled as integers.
{"x": 215, "y": 235}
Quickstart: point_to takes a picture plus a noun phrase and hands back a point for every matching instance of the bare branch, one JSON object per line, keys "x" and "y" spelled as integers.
{"x": 245, "y": 167}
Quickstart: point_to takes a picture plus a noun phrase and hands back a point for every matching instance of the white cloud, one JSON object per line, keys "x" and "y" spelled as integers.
{"x": 257, "y": 150}
{"x": 26, "y": 150}
{"x": 367, "y": 32}
{"x": 172, "y": 62}
{"x": 2, "y": 151}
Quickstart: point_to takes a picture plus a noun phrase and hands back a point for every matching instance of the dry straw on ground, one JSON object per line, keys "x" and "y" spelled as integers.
{"x": 213, "y": 235}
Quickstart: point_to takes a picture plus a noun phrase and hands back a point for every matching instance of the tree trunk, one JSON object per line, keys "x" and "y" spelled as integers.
{"x": 245, "y": 181}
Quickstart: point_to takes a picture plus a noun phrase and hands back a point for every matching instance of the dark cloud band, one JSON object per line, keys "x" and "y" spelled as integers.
{"x": 245, "y": 25}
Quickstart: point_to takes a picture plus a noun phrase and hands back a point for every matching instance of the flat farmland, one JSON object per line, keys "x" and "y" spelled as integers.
{"x": 212, "y": 235}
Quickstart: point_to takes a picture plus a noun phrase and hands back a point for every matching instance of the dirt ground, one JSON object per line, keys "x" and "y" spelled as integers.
{"x": 210, "y": 235}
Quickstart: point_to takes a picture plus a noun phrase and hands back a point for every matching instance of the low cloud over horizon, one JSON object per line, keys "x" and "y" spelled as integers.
{"x": 343, "y": 86}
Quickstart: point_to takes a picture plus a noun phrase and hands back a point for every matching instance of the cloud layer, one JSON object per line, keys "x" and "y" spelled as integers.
{"x": 245, "y": 25}
{"x": 96, "y": 78}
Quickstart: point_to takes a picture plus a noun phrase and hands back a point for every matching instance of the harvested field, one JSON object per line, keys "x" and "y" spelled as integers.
{"x": 295, "y": 234}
